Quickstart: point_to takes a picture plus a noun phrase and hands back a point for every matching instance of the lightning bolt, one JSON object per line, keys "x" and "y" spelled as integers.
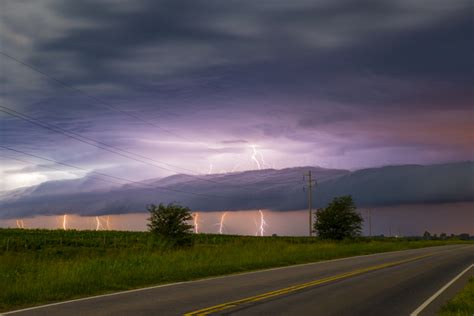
{"x": 254, "y": 157}
{"x": 263, "y": 224}
{"x": 98, "y": 225}
{"x": 264, "y": 163}
{"x": 196, "y": 223}
{"x": 65, "y": 221}
{"x": 221, "y": 223}
{"x": 20, "y": 223}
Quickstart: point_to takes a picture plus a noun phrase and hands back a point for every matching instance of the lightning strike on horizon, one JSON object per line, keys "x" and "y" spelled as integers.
{"x": 107, "y": 223}
{"x": 254, "y": 157}
{"x": 20, "y": 223}
{"x": 65, "y": 221}
{"x": 210, "y": 169}
{"x": 221, "y": 223}
{"x": 98, "y": 225}
{"x": 196, "y": 223}
{"x": 263, "y": 224}
{"x": 264, "y": 163}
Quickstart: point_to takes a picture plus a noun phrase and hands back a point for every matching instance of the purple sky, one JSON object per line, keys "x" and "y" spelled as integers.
{"x": 331, "y": 83}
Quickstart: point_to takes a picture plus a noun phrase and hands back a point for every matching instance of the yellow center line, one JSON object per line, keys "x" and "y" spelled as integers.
{"x": 290, "y": 289}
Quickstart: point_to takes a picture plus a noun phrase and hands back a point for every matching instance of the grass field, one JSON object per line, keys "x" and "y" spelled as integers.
{"x": 462, "y": 304}
{"x": 42, "y": 266}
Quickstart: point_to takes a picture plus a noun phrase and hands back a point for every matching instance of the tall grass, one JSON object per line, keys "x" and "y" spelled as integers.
{"x": 462, "y": 304}
{"x": 40, "y": 266}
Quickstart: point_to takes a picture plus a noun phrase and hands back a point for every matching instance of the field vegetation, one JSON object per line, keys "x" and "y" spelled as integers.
{"x": 462, "y": 304}
{"x": 43, "y": 266}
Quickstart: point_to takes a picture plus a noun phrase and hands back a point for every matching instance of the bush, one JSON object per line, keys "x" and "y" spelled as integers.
{"x": 339, "y": 220}
{"x": 171, "y": 223}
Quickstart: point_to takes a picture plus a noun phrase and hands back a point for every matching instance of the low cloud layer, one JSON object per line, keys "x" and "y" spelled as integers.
{"x": 279, "y": 190}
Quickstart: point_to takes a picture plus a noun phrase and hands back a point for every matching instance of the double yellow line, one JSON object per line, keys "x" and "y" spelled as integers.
{"x": 287, "y": 290}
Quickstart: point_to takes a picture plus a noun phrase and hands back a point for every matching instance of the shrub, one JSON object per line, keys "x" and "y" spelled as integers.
{"x": 338, "y": 220}
{"x": 170, "y": 222}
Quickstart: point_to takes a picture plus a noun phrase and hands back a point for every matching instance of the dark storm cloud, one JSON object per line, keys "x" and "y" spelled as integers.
{"x": 246, "y": 48}
{"x": 335, "y": 83}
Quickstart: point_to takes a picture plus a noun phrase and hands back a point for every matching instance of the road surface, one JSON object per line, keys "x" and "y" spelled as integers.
{"x": 394, "y": 283}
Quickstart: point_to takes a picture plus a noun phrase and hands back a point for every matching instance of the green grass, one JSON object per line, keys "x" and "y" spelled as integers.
{"x": 462, "y": 304}
{"x": 43, "y": 266}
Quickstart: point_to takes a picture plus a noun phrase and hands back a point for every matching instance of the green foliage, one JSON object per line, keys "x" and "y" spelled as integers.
{"x": 339, "y": 220}
{"x": 43, "y": 266}
{"x": 462, "y": 304}
{"x": 170, "y": 222}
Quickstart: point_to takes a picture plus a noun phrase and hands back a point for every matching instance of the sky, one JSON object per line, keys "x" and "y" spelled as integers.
{"x": 219, "y": 86}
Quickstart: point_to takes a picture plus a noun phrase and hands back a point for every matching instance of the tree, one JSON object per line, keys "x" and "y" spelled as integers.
{"x": 464, "y": 236}
{"x": 426, "y": 235}
{"x": 338, "y": 220}
{"x": 171, "y": 222}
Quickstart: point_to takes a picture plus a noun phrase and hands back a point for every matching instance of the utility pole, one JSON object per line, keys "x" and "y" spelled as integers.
{"x": 370, "y": 224}
{"x": 310, "y": 201}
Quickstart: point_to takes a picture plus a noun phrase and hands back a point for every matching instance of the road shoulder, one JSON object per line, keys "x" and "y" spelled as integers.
{"x": 434, "y": 306}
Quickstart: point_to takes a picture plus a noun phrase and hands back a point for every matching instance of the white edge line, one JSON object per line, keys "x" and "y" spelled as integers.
{"x": 220, "y": 277}
{"x": 438, "y": 293}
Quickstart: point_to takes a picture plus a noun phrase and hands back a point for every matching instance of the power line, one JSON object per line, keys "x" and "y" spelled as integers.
{"x": 94, "y": 98}
{"x": 105, "y": 180}
{"x": 103, "y": 146}
{"x": 58, "y": 129}
{"x": 108, "y": 175}
{"x": 107, "y": 147}
{"x": 53, "y": 168}
{"x": 310, "y": 201}
{"x": 114, "y": 178}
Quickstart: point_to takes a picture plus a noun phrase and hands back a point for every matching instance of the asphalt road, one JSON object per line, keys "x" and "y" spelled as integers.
{"x": 394, "y": 283}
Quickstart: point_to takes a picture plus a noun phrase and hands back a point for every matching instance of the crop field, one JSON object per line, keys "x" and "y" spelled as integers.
{"x": 44, "y": 266}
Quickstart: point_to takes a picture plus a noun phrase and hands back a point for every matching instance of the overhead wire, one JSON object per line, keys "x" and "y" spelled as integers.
{"x": 94, "y": 98}
{"x": 104, "y": 146}
{"x": 115, "y": 178}
{"x": 108, "y": 175}
{"x": 57, "y": 169}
